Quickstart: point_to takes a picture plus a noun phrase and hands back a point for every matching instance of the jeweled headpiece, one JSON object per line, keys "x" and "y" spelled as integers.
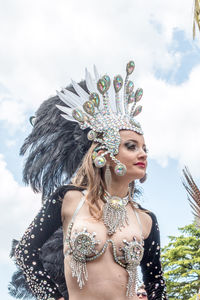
{"x": 101, "y": 114}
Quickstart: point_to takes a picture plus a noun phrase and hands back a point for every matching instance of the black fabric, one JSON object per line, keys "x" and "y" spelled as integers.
{"x": 50, "y": 256}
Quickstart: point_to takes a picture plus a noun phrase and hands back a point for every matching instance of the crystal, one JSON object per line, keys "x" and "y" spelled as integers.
{"x": 129, "y": 87}
{"x": 91, "y": 135}
{"x": 138, "y": 94}
{"x": 120, "y": 169}
{"x": 131, "y": 98}
{"x": 130, "y": 67}
{"x": 78, "y": 115}
{"x": 94, "y": 155}
{"x": 137, "y": 111}
{"x": 94, "y": 97}
{"x": 107, "y": 79}
{"x": 117, "y": 82}
{"x": 102, "y": 86}
{"x": 100, "y": 161}
{"x": 88, "y": 106}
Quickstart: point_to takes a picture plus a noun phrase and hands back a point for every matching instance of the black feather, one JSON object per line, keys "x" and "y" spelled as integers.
{"x": 55, "y": 148}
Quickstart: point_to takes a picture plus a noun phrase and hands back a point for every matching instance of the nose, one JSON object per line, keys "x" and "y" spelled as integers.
{"x": 142, "y": 154}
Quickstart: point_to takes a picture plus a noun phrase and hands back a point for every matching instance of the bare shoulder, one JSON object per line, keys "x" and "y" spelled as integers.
{"x": 146, "y": 221}
{"x": 70, "y": 203}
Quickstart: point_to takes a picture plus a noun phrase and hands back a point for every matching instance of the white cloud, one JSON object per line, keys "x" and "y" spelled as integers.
{"x": 46, "y": 43}
{"x": 20, "y": 206}
{"x": 171, "y": 120}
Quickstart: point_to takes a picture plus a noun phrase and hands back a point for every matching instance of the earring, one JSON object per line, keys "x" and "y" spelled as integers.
{"x": 100, "y": 161}
{"x": 143, "y": 179}
{"x": 120, "y": 169}
{"x": 108, "y": 177}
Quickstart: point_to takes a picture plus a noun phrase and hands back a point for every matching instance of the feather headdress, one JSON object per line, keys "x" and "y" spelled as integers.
{"x": 193, "y": 194}
{"x": 54, "y": 148}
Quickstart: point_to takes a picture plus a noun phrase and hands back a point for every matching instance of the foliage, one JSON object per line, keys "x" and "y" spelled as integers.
{"x": 181, "y": 263}
{"x": 196, "y": 16}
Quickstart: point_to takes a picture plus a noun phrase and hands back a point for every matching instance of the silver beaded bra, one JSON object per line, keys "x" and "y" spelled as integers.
{"x": 82, "y": 249}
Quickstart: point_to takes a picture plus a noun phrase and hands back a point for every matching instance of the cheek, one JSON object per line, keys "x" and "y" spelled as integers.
{"x": 127, "y": 157}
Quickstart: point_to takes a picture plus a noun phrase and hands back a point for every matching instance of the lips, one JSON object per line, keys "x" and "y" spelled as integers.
{"x": 141, "y": 164}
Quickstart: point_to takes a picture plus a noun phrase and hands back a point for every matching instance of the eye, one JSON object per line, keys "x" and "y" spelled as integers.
{"x": 146, "y": 150}
{"x": 131, "y": 146}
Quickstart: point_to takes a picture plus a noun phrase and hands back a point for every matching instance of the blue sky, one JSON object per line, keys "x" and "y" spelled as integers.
{"x": 44, "y": 44}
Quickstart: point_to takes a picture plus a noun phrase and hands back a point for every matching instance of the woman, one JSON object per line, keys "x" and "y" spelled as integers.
{"x": 106, "y": 234}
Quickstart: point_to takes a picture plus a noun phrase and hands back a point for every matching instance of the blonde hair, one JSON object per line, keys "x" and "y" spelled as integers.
{"x": 91, "y": 178}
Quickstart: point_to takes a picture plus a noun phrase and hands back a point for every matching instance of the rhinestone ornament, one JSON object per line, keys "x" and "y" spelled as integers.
{"x": 129, "y": 87}
{"x": 130, "y": 67}
{"x": 118, "y": 83}
{"x": 131, "y": 98}
{"x": 137, "y": 111}
{"x": 91, "y": 135}
{"x": 88, "y": 107}
{"x": 94, "y": 97}
{"x": 102, "y": 86}
{"x": 120, "y": 169}
{"x": 138, "y": 94}
{"x": 107, "y": 79}
{"x": 78, "y": 115}
{"x": 100, "y": 161}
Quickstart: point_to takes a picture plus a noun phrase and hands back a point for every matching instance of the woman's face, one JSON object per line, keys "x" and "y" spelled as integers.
{"x": 133, "y": 154}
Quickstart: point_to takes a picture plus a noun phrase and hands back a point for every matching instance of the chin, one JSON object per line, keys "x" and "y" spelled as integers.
{"x": 138, "y": 175}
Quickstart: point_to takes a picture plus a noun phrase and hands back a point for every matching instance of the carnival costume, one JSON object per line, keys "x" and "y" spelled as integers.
{"x": 56, "y": 150}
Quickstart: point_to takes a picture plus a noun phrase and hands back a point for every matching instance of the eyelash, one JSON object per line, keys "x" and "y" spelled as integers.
{"x": 133, "y": 147}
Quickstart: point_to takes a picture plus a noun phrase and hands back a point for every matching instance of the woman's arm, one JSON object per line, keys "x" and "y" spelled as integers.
{"x": 27, "y": 251}
{"x": 151, "y": 265}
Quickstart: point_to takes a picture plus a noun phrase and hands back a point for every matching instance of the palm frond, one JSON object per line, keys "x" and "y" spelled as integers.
{"x": 193, "y": 193}
{"x": 196, "y": 20}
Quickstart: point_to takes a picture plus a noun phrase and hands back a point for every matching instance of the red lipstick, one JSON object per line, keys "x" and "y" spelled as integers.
{"x": 141, "y": 164}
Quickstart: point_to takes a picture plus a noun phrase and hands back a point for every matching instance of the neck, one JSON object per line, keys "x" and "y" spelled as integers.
{"x": 118, "y": 187}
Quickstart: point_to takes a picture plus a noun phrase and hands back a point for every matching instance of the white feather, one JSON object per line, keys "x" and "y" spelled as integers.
{"x": 96, "y": 74}
{"x": 65, "y": 109}
{"x": 68, "y": 118}
{"x": 90, "y": 82}
{"x": 84, "y": 96}
{"x": 68, "y": 99}
{"x": 73, "y": 98}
